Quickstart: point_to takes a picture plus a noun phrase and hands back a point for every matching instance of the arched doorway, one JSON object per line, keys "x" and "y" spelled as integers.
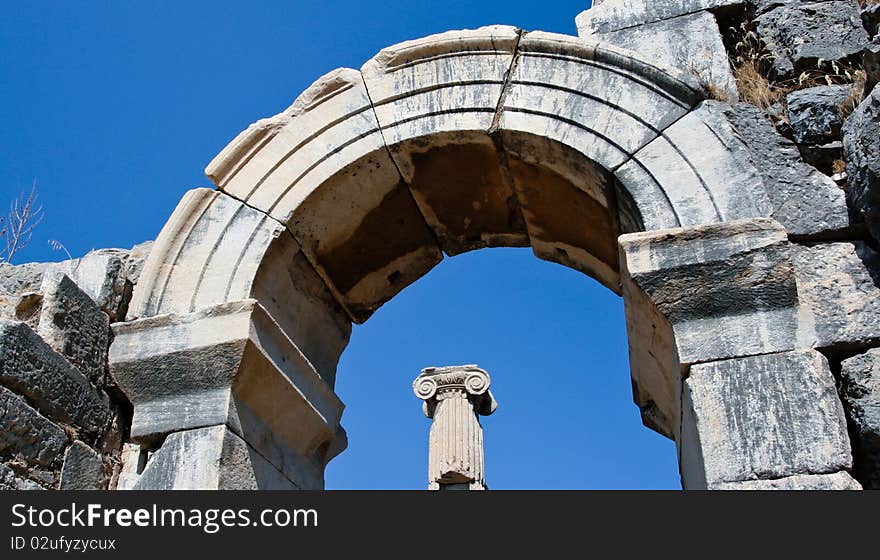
{"x": 468, "y": 139}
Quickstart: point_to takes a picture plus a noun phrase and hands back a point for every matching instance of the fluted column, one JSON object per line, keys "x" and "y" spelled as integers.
{"x": 454, "y": 397}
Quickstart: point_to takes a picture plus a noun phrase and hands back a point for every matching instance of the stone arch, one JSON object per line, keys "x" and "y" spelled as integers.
{"x": 457, "y": 141}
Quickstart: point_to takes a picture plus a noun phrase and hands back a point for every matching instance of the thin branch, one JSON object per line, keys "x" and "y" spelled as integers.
{"x": 25, "y": 214}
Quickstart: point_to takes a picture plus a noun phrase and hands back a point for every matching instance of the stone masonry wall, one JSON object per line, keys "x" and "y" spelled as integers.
{"x": 63, "y": 421}
{"x": 799, "y": 77}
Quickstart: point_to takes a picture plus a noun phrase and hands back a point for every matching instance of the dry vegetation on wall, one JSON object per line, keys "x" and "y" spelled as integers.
{"x": 25, "y": 214}
{"x": 751, "y": 65}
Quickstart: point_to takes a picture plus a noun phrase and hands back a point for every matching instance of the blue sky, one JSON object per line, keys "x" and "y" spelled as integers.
{"x": 115, "y": 108}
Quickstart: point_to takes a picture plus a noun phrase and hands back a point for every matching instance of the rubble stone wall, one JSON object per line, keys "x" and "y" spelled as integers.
{"x": 63, "y": 420}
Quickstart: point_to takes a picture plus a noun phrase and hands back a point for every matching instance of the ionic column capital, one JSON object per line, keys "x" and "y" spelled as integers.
{"x": 467, "y": 381}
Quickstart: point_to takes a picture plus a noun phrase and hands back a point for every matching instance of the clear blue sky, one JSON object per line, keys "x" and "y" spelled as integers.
{"x": 115, "y": 108}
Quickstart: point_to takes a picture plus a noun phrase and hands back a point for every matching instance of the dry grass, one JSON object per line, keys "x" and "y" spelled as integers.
{"x": 864, "y": 3}
{"x": 754, "y": 87}
{"x": 838, "y": 166}
{"x": 856, "y": 95}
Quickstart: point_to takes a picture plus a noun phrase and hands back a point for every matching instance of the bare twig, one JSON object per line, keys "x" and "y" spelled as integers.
{"x": 25, "y": 214}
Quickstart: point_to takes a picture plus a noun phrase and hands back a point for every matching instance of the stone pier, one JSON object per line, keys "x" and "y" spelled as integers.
{"x": 454, "y": 397}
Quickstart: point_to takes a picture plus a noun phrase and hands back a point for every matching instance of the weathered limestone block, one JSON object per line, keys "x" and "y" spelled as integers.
{"x": 211, "y": 458}
{"x": 839, "y": 283}
{"x": 454, "y": 397}
{"x": 805, "y": 201}
{"x": 837, "y": 481}
{"x": 102, "y": 275}
{"x": 83, "y": 468}
{"x": 15, "y": 282}
{"x": 134, "y": 264}
{"x": 32, "y": 368}
{"x": 106, "y": 275}
{"x": 861, "y": 145}
{"x": 449, "y": 82}
{"x": 799, "y": 35}
{"x": 692, "y": 43}
{"x": 446, "y": 82}
{"x": 860, "y": 390}
{"x": 612, "y": 15}
{"x": 10, "y": 481}
{"x": 559, "y": 191}
{"x": 225, "y": 251}
{"x": 699, "y": 167}
{"x": 815, "y": 113}
{"x": 296, "y": 167}
{"x": 230, "y": 364}
{"x": 74, "y": 326}
{"x": 26, "y": 433}
{"x": 702, "y": 294}
{"x": 592, "y": 97}
{"x": 277, "y": 162}
{"x": 761, "y": 417}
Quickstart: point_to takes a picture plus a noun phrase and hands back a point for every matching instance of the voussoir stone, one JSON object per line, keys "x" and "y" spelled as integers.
{"x": 861, "y": 146}
{"x": 31, "y": 367}
{"x": 761, "y": 417}
{"x": 26, "y": 433}
{"x": 799, "y": 35}
{"x": 807, "y": 202}
{"x": 860, "y": 390}
{"x": 691, "y": 43}
{"x": 74, "y": 326}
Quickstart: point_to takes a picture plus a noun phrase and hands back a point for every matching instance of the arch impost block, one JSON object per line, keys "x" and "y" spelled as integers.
{"x": 229, "y": 364}
{"x": 702, "y": 294}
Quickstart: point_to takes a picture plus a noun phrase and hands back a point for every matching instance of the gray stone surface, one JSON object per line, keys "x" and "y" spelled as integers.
{"x": 26, "y": 433}
{"x": 691, "y": 43}
{"x": 860, "y": 390}
{"x": 798, "y": 35}
{"x": 17, "y": 280}
{"x": 839, "y": 285}
{"x": 815, "y": 113}
{"x": 106, "y": 275}
{"x": 836, "y": 481}
{"x": 703, "y": 170}
{"x": 102, "y": 275}
{"x": 612, "y": 15}
{"x": 11, "y": 481}
{"x": 74, "y": 326}
{"x": 232, "y": 365}
{"x": 761, "y": 417}
{"x": 211, "y": 458}
{"x": 83, "y": 468}
{"x": 807, "y": 202}
{"x": 682, "y": 287}
{"x": 861, "y": 145}
{"x": 31, "y": 367}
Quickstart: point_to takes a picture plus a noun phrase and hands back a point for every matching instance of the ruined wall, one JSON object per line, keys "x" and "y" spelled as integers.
{"x": 793, "y": 101}
{"x": 799, "y": 78}
{"x": 63, "y": 420}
